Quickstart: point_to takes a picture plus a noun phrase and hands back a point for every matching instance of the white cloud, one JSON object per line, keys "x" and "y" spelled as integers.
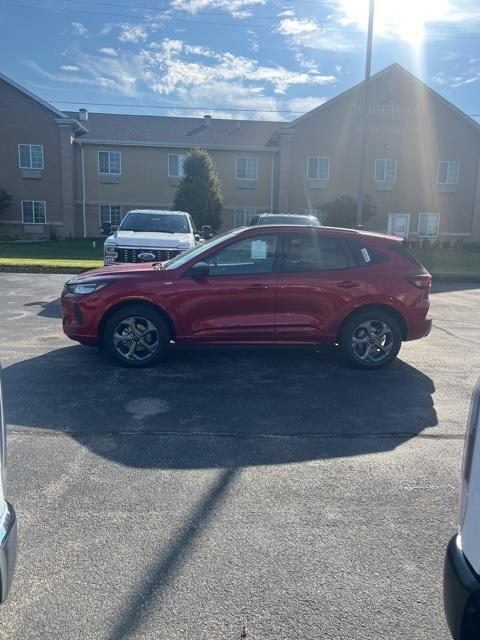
{"x": 69, "y": 67}
{"x": 453, "y": 81}
{"x": 108, "y": 51}
{"x": 306, "y": 63}
{"x": 286, "y": 13}
{"x": 306, "y": 32}
{"x": 302, "y": 105}
{"x": 189, "y": 74}
{"x": 295, "y": 26}
{"x": 132, "y": 33}
{"x": 79, "y": 28}
{"x": 237, "y": 8}
{"x": 170, "y": 72}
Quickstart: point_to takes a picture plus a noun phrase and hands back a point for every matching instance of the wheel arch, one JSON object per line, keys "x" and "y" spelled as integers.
{"x": 394, "y": 313}
{"x": 129, "y": 302}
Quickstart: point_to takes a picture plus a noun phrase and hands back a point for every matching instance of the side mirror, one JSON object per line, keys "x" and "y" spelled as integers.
{"x": 106, "y": 229}
{"x": 200, "y": 270}
{"x": 207, "y": 232}
{"x": 197, "y": 236}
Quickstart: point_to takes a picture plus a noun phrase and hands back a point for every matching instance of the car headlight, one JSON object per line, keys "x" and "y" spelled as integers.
{"x": 110, "y": 249}
{"x": 84, "y": 288}
{"x": 183, "y": 245}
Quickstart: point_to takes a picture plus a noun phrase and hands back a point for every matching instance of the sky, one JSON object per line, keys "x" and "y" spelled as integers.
{"x": 258, "y": 59}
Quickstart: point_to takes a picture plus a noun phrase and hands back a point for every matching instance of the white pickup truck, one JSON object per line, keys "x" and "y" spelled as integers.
{"x": 150, "y": 235}
{"x": 461, "y": 580}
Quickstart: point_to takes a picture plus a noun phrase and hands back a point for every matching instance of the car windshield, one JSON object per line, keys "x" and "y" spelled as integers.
{"x": 289, "y": 220}
{"x": 155, "y": 222}
{"x": 197, "y": 251}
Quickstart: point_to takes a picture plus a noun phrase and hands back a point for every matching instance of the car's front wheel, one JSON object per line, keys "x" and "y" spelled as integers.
{"x": 136, "y": 336}
{"x": 370, "y": 339}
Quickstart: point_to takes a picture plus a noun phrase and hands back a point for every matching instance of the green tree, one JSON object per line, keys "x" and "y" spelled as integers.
{"x": 199, "y": 192}
{"x": 6, "y": 199}
{"x": 342, "y": 212}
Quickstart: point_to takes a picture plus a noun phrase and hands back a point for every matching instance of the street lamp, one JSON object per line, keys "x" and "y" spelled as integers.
{"x": 366, "y": 95}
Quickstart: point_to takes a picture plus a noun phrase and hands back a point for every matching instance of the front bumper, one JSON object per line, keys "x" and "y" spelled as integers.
{"x": 8, "y": 549}
{"x": 78, "y": 318}
{"x": 461, "y": 594}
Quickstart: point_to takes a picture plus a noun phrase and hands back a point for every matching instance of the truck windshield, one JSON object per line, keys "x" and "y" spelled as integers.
{"x": 155, "y": 223}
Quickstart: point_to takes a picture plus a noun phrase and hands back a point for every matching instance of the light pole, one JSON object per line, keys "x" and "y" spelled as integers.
{"x": 366, "y": 96}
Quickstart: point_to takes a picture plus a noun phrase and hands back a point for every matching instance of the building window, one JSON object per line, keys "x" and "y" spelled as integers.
{"x": 428, "y": 225}
{"x": 385, "y": 170}
{"x": 175, "y": 165}
{"x": 110, "y": 213}
{"x": 399, "y": 224}
{"x": 109, "y": 162}
{"x": 30, "y": 156}
{"x": 34, "y": 211}
{"x": 243, "y": 217}
{"x": 318, "y": 168}
{"x": 247, "y": 168}
{"x": 448, "y": 172}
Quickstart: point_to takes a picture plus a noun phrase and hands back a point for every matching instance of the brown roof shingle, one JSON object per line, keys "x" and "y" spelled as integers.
{"x": 190, "y": 132}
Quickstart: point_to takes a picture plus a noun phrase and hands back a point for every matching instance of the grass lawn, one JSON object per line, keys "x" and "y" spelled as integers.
{"x": 82, "y": 255}
{"x": 446, "y": 262}
{"x": 78, "y": 253}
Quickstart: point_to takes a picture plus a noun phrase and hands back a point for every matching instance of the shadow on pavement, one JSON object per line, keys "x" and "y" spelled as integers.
{"x": 271, "y": 406}
{"x": 50, "y": 309}
{"x": 223, "y": 408}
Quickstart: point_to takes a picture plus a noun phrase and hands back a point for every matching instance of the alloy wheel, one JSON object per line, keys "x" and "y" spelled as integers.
{"x": 136, "y": 338}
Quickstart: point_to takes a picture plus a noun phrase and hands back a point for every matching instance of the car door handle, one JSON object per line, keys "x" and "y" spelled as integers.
{"x": 257, "y": 285}
{"x": 348, "y": 284}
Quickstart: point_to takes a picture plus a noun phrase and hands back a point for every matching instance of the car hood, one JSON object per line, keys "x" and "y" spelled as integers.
{"x": 115, "y": 271}
{"x": 151, "y": 239}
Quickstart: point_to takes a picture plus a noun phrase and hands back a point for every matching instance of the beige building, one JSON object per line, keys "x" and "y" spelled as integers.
{"x": 71, "y": 171}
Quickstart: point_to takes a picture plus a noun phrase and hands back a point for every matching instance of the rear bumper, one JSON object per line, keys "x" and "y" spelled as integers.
{"x": 419, "y": 328}
{"x": 461, "y": 594}
{"x": 8, "y": 549}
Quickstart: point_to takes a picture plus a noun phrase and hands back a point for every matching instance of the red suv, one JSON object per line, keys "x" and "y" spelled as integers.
{"x": 270, "y": 285}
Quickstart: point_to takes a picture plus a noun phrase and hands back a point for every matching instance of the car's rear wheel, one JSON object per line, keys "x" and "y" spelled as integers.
{"x": 370, "y": 339}
{"x": 136, "y": 336}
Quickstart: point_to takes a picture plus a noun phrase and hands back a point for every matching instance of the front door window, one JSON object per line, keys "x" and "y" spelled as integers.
{"x": 255, "y": 255}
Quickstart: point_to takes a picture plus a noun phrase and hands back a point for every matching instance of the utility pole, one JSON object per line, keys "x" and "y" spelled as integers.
{"x": 366, "y": 103}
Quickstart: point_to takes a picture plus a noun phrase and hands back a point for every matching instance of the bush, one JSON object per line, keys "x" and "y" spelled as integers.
{"x": 199, "y": 191}
{"x": 342, "y": 212}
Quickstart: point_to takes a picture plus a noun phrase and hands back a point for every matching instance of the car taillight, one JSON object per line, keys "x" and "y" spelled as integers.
{"x": 469, "y": 449}
{"x": 422, "y": 281}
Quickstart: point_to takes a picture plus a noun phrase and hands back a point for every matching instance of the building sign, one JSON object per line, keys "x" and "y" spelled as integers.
{"x": 389, "y": 109}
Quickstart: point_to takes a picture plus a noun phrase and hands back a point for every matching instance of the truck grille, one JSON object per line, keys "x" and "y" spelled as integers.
{"x": 131, "y": 255}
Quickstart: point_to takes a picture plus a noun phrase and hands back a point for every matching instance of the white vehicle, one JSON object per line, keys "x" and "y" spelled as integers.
{"x": 8, "y": 522}
{"x": 461, "y": 581}
{"x": 148, "y": 235}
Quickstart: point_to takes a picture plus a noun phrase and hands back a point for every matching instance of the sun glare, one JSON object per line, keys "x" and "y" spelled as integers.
{"x": 405, "y": 20}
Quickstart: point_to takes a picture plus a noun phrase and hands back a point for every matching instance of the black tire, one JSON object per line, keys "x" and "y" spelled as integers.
{"x": 365, "y": 329}
{"x": 144, "y": 328}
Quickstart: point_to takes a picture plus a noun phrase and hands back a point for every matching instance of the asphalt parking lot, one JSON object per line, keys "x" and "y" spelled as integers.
{"x": 270, "y": 491}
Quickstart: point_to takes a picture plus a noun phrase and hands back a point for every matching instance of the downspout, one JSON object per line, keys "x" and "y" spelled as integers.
{"x": 84, "y": 214}
{"x": 271, "y": 183}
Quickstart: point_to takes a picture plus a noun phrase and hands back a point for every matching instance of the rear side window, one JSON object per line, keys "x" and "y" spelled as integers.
{"x": 365, "y": 254}
{"x": 405, "y": 252}
{"x": 312, "y": 252}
